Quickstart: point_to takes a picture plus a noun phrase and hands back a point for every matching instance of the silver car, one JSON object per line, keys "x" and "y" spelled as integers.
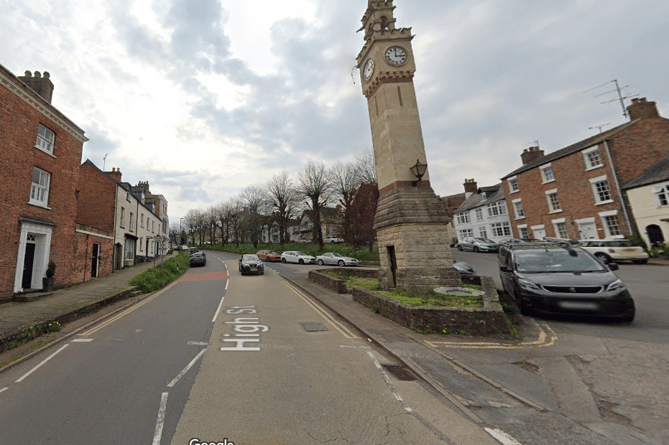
{"x": 336, "y": 259}
{"x": 478, "y": 245}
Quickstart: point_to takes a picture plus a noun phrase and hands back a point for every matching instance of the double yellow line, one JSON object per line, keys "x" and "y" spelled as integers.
{"x": 127, "y": 311}
{"x": 338, "y": 326}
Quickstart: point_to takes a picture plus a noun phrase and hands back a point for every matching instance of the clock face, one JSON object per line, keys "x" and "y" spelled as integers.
{"x": 396, "y": 55}
{"x": 368, "y": 70}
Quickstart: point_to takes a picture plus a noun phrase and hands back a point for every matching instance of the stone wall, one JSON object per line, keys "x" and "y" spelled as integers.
{"x": 338, "y": 284}
{"x": 486, "y": 321}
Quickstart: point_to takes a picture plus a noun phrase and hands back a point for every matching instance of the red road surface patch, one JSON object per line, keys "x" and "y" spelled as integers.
{"x": 204, "y": 276}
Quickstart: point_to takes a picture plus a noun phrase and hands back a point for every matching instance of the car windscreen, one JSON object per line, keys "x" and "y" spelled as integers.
{"x": 250, "y": 258}
{"x": 563, "y": 260}
{"x": 300, "y": 253}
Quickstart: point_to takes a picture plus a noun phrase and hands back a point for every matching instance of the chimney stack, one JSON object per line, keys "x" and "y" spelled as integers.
{"x": 470, "y": 187}
{"x": 39, "y": 84}
{"x": 640, "y": 109}
{"x": 115, "y": 174}
{"x": 531, "y": 154}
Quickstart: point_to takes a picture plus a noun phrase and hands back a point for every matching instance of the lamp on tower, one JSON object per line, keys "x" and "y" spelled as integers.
{"x": 418, "y": 171}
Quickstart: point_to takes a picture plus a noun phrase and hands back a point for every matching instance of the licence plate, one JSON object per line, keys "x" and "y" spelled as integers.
{"x": 577, "y": 305}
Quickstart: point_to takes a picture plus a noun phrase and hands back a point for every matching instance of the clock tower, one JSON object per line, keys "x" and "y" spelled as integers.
{"x": 410, "y": 222}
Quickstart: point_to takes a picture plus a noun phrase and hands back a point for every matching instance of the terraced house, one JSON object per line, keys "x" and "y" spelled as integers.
{"x": 577, "y": 191}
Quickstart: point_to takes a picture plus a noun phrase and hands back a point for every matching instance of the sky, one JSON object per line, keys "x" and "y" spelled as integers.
{"x": 203, "y": 98}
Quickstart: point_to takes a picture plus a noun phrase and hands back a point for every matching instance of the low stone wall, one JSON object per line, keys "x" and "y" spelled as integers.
{"x": 486, "y": 321}
{"x": 338, "y": 284}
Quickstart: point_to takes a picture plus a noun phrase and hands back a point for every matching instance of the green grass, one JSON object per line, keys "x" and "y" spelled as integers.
{"x": 434, "y": 299}
{"x": 308, "y": 248}
{"x": 163, "y": 274}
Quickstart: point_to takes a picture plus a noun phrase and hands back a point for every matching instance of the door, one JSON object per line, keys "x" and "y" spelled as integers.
{"x": 28, "y": 264}
{"x": 393, "y": 263}
{"x": 587, "y": 230}
{"x": 95, "y": 258}
{"x": 539, "y": 233}
{"x": 655, "y": 235}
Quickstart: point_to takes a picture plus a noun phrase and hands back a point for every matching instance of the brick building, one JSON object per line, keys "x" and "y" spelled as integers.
{"x": 576, "y": 192}
{"x": 39, "y": 172}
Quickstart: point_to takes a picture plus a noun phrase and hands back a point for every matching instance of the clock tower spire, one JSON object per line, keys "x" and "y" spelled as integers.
{"x": 410, "y": 222}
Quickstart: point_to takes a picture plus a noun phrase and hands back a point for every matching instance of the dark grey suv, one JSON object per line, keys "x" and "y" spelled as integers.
{"x": 561, "y": 279}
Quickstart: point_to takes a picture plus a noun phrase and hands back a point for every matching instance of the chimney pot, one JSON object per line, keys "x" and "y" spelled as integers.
{"x": 531, "y": 154}
{"x": 641, "y": 109}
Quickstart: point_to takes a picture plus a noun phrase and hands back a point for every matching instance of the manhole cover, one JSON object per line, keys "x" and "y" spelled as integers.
{"x": 314, "y": 327}
{"x": 400, "y": 373}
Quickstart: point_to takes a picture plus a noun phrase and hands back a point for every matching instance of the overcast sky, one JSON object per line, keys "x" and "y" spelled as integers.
{"x": 205, "y": 97}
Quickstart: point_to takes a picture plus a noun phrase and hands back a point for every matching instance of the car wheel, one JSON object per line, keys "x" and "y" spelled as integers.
{"x": 283, "y": 260}
{"x": 460, "y": 248}
{"x": 320, "y": 262}
{"x": 341, "y": 263}
{"x": 262, "y": 273}
{"x": 301, "y": 262}
{"x": 476, "y": 249}
{"x": 639, "y": 261}
{"x": 604, "y": 258}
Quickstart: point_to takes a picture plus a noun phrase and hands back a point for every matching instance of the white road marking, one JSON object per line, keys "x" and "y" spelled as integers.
{"x": 161, "y": 419}
{"x": 502, "y": 437}
{"x": 385, "y": 377}
{"x": 226, "y": 283}
{"x": 198, "y": 343}
{"x": 185, "y": 370}
{"x": 338, "y": 326}
{"x": 82, "y": 340}
{"x": 43, "y": 362}
{"x": 218, "y": 309}
{"x": 4, "y": 389}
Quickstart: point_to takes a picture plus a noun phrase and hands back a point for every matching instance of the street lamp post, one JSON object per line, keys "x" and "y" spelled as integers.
{"x": 180, "y": 228}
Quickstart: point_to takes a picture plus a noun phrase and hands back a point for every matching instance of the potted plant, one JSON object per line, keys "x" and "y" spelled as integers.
{"x": 48, "y": 282}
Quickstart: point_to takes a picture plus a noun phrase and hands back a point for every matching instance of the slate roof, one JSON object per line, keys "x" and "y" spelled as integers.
{"x": 585, "y": 143}
{"x": 657, "y": 173}
{"x": 493, "y": 193}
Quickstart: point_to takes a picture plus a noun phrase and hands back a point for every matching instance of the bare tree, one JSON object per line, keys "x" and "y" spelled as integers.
{"x": 254, "y": 199}
{"x": 283, "y": 198}
{"x": 366, "y": 169}
{"x": 316, "y": 187}
{"x": 345, "y": 182}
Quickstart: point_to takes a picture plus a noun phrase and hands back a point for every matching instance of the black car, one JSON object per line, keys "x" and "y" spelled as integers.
{"x": 251, "y": 263}
{"x": 198, "y": 258}
{"x": 557, "y": 278}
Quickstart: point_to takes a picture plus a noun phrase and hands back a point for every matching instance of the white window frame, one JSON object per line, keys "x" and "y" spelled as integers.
{"x": 39, "y": 191}
{"x": 607, "y": 228}
{"x": 662, "y": 195}
{"x": 518, "y": 208}
{"x": 45, "y": 139}
{"x": 551, "y": 207}
{"x": 544, "y": 176}
{"x": 595, "y": 182}
{"x": 463, "y": 217}
{"x": 559, "y": 223}
{"x": 513, "y": 184}
{"x": 465, "y": 233}
{"x": 496, "y": 208}
{"x": 501, "y": 229}
{"x": 483, "y": 233}
{"x": 122, "y": 220}
{"x": 141, "y": 220}
{"x": 523, "y": 232}
{"x": 586, "y": 158}
{"x": 131, "y": 218}
{"x": 479, "y": 214}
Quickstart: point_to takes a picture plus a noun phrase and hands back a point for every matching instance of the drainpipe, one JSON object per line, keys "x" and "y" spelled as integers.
{"x": 620, "y": 193}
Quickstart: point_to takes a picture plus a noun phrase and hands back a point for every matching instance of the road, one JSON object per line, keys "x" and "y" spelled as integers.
{"x": 218, "y": 357}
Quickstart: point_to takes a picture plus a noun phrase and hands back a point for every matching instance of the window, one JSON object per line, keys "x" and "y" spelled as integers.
{"x": 45, "y": 139}
{"x": 467, "y": 233}
{"x": 496, "y": 208}
{"x": 463, "y": 218}
{"x": 612, "y": 225}
{"x": 501, "y": 229}
{"x": 662, "y": 194}
{"x": 547, "y": 173}
{"x": 553, "y": 201}
{"x": 479, "y": 214}
{"x": 524, "y": 233}
{"x": 131, "y": 218}
{"x": 122, "y": 217}
{"x": 561, "y": 230}
{"x": 592, "y": 158}
{"x": 513, "y": 184}
{"x": 153, "y": 226}
{"x": 518, "y": 208}
{"x": 482, "y": 232}
{"x": 39, "y": 191}
{"x": 601, "y": 189}
{"x": 141, "y": 220}
{"x": 141, "y": 244}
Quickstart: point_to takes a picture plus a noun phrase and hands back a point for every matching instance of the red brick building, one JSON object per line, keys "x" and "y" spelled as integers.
{"x": 576, "y": 192}
{"x": 41, "y": 151}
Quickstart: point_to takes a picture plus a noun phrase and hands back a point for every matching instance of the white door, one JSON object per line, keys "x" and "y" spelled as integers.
{"x": 539, "y": 233}
{"x": 587, "y": 230}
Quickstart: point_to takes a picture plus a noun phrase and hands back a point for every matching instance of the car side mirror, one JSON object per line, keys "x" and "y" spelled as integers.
{"x": 504, "y": 269}
{"x": 613, "y": 266}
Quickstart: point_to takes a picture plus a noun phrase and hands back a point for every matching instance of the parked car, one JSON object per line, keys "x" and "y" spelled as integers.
{"x": 183, "y": 248}
{"x": 477, "y": 245}
{"x": 250, "y": 263}
{"x": 464, "y": 268}
{"x": 198, "y": 258}
{"x": 562, "y": 279}
{"x": 333, "y": 240}
{"x": 336, "y": 259}
{"x": 268, "y": 255}
{"x": 193, "y": 249}
{"x": 614, "y": 250}
{"x": 298, "y": 257}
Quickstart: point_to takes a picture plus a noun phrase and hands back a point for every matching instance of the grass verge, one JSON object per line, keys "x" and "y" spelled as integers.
{"x": 163, "y": 274}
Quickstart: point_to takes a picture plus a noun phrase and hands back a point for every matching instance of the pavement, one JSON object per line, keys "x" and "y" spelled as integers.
{"x": 416, "y": 352}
